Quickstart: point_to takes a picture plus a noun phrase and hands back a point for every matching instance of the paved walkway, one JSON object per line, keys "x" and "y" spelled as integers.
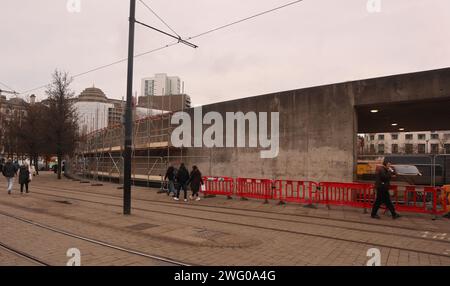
{"x": 58, "y": 215}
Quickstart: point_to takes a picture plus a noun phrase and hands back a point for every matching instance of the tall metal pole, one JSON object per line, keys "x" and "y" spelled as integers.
{"x": 128, "y": 115}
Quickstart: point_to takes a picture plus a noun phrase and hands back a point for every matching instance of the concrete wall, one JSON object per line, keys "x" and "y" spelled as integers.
{"x": 420, "y": 86}
{"x": 318, "y": 126}
{"x": 317, "y": 137}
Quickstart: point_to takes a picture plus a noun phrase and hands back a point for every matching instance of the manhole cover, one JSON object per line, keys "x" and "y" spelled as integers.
{"x": 64, "y": 202}
{"x": 208, "y": 234}
{"x": 142, "y": 226}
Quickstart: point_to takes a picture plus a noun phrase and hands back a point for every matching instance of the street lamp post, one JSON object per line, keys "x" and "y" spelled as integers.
{"x": 128, "y": 109}
{"x": 128, "y": 114}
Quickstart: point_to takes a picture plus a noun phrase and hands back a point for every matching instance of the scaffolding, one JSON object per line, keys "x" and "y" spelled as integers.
{"x": 99, "y": 155}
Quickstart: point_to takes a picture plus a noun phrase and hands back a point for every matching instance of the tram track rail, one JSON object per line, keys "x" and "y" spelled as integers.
{"x": 23, "y": 255}
{"x": 83, "y": 238}
{"x": 295, "y": 232}
{"x": 200, "y": 208}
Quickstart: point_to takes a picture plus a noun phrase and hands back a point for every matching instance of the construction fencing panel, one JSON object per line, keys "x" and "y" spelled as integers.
{"x": 346, "y": 194}
{"x": 306, "y": 192}
{"x": 218, "y": 186}
{"x": 255, "y": 188}
{"x": 417, "y": 199}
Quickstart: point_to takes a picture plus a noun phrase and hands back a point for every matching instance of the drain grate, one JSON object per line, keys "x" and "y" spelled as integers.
{"x": 142, "y": 226}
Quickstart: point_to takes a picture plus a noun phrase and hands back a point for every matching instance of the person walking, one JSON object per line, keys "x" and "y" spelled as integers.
{"x": 170, "y": 176}
{"x": 182, "y": 178}
{"x": 9, "y": 171}
{"x": 195, "y": 179}
{"x": 24, "y": 177}
{"x": 382, "y": 185}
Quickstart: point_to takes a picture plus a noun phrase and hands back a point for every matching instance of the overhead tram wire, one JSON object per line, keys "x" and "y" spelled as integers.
{"x": 108, "y": 65}
{"x": 8, "y": 87}
{"x": 244, "y": 19}
{"x": 157, "y": 16}
{"x": 176, "y": 43}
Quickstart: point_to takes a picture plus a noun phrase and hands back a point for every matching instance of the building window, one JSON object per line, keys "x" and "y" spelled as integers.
{"x": 380, "y": 148}
{"x": 394, "y": 149}
{"x": 421, "y": 148}
{"x": 447, "y": 148}
{"x": 421, "y": 136}
{"x": 372, "y": 137}
{"x": 372, "y": 148}
{"x": 447, "y": 136}
{"x": 381, "y": 137}
{"x": 408, "y": 148}
{"x": 408, "y": 136}
{"x": 434, "y": 136}
{"x": 394, "y": 136}
{"x": 435, "y": 148}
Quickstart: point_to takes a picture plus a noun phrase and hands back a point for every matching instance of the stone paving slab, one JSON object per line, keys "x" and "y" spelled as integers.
{"x": 216, "y": 231}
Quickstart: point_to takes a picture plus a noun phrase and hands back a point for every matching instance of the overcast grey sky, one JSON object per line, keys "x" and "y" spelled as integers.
{"x": 311, "y": 43}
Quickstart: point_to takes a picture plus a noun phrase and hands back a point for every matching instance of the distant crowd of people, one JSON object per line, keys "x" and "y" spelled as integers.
{"x": 179, "y": 179}
{"x": 24, "y": 173}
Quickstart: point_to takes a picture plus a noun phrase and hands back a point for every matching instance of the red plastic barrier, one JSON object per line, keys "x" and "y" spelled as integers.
{"x": 418, "y": 199}
{"x": 218, "y": 186}
{"x": 297, "y": 191}
{"x": 255, "y": 188}
{"x": 347, "y": 194}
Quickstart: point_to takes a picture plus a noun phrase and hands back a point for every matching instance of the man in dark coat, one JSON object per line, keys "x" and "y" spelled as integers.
{"x": 170, "y": 176}
{"x": 9, "y": 171}
{"x": 196, "y": 181}
{"x": 24, "y": 177}
{"x": 382, "y": 184}
{"x": 182, "y": 179}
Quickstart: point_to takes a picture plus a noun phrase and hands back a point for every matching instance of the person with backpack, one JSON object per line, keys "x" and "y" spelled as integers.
{"x": 9, "y": 171}
{"x": 24, "y": 177}
{"x": 170, "y": 176}
{"x": 182, "y": 178}
{"x": 195, "y": 179}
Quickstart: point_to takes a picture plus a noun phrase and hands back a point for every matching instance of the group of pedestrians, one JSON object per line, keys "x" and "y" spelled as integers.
{"x": 12, "y": 169}
{"x": 179, "y": 179}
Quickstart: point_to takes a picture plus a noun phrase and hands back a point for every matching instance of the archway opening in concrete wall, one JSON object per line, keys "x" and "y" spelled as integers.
{"x": 415, "y": 135}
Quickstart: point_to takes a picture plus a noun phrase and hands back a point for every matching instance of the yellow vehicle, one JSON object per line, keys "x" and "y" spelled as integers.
{"x": 446, "y": 197}
{"x": 405, "y": 174}
{"x": 366, "y": 169}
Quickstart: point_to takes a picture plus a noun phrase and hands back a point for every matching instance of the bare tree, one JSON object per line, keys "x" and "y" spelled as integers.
{"x": 32, "y": 133}
{"x": 61, "y": 120}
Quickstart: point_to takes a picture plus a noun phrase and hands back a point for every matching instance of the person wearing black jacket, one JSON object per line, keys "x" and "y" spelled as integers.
{"x": 170, "y": 176}
{"x": 382, "y": 185}
{"x": 195, "y": 179}
{"x": 24, "y": 177}
{"x": 182, "y": 178}
{"x": 9, "y": 171}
